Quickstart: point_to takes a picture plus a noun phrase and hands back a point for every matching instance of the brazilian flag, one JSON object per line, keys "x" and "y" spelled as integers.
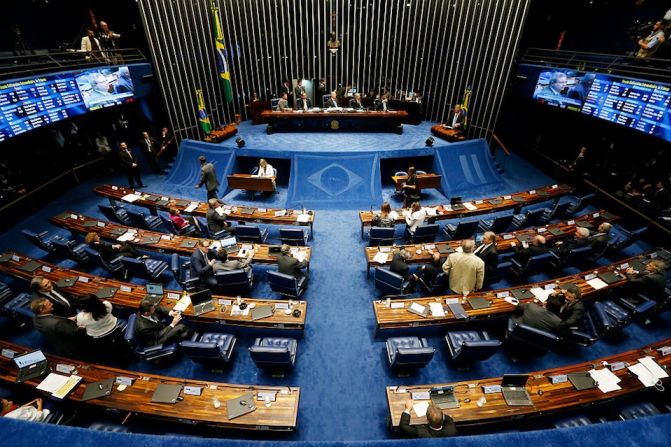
{"x": 203, "y": 119}
{"x": 222, "y": 66}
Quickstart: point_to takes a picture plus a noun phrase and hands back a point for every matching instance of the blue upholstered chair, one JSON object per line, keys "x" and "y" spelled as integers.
{"x": 18, "y": 309}
{"x": 424, "y": 233}
{"x": 499, "y": 273}
{"x": 286, "y": 284}
{"x": 188, "y": 230}
{"x": 572, "y": 422}
{"x": 576, "y": 256}
{"x": 628, "y": 238}
{"x": 638, "y": 411}
{"x": 406, "y": 353}
{"x": 109, "y": 427}
{"x": 274, "y": 353}
{"x": 211, "y": 348}
{"x": 182, "y": 273}
{"x": 41, "y": 240}
{"x": 558, "y": 211}
{"x": 251, "y": 233}
{"x": 499, "y": 224}
{"x": 435, "y": 286}
{"x": 5, "y": 293}
{"x": 578, "y": 204}
{"x": 389, "y": 283}
{"x": 462, "y": 230}
{"x": 466, "y": 347}
{"x": 144, "y": 268}
{"x": 381, "y": 236}
{"x": 529, "y": 219}
{"x": 115, "y": 213}
{"x": 530, "y": 339}
{"x": 151, "y": 353}
{"x": 140, "y": 220}
{"x": 113, "y": 266}
{"x": 535, "y": 264}
{"x": 639, "y": 308}
{"x": 294, "y": 236}
{"x": 619, "y": 316}
{"x": 239, "y": 279}
{"x": 71, "y": 249}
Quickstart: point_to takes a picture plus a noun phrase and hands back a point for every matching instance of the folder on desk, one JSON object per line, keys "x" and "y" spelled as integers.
{"x": 518, "y": 199}
{"x": 444, "y": 249}
{"x": 478, "y": 302}
{"x": 494, "y": 202}
{"x": 609, "y": 277}
{"x": 458, "y": 310}
{"x": 99, "y": 389}
{"x": 106, "y": 292}
{"x": 584, "y": 224}
{"x": 166, "y": 393}
{"x": 556, "y": 231}
{"x": 66, "y": 282}
{"x": 30, "y": 266}
{"x": 188, "y": 244}
{"x": 118, "y": 231}
{"x": 522, "y": 294}
{"x": 90, "y": 223}
{"x": 162, "y": 203}
{"x": 582, "y": 380}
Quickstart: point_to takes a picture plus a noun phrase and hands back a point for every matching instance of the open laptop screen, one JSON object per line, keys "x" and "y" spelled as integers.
{"x": 201, "y": 297}
{"x": 228, "y": 242}
{"x": 516, "y": 380}
{"x": 155, "y": 289}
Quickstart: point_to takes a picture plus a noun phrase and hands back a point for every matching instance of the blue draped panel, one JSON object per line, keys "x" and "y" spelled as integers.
{"x": 466, "y": 167}
{"x": 334, "y": 180}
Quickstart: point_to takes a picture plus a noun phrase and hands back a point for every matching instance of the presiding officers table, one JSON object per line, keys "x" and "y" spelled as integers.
{"x": 193, "y": 409}
{"x": 334, "y": 121}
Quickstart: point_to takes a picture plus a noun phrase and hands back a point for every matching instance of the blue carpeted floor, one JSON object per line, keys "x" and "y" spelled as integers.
{"x": 341, "y": 367}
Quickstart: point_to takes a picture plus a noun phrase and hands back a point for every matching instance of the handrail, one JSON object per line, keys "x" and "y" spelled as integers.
{"x": 498, "y": 141}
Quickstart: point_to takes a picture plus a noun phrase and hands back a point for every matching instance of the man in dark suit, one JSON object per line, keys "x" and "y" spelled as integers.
{"x": 283, "y": 103}
{"x": 286, "y": 89}
{"x": 151, "y": 331}
{"x": 356, "y": 103}
{"x": 523, "y": 253}
{"x": 439, "y": 426}
{"x": 108, "y": 250}
{"x": 332, "y": 101}
{"x": 299, "y": 91}
{"x": 63, "y": 333}
{"x": 487, "y": 251}
{"x": 651, "y": 282}
{"x": 599, "y": 240}
{"x": 304, "y": 103}
{"x": 429, "y": 272}
{"x": 400, "y": 266}
{"x": 567, "y": 305}
{"x": 580, "y": 239}
{"x": 216, "y": 222}
{"x": 459, "y": 118}
{"x": 289, "y": 265}
{"x": 208, "y": 177}
{"x": 131, "y": 164}
{"x": 150, "y": 147}
{"x": 201, "y": 264}
{"x": 63, "y": 304}
{"x": 531, "y": 314}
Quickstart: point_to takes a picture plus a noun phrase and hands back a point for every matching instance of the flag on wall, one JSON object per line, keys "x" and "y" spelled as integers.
{"x": 203, "y": 119}
{"x": 465, "y": 103}
{"x": 222, "y": 66}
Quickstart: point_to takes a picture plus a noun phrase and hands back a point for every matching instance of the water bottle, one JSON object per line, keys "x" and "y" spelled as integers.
{"x": 482, "y": 401}
{"x": 238, "y": 300}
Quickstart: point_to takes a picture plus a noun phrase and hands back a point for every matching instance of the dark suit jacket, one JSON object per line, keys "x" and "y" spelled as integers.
{"x": 571, "y": 244}
{"x": 571, "y": 315}
{"x": 599, "y": 241}
{"x": 538, "y": 317}
{"x": 423, "y": 431}
{"x": 332, "y": 103}
{"x": 356, "y": 105}
{"x": 208, "y": 177}
{"x": 108, "y": 253}
{"x": 522, "y": 254}
{"x": 199, "y": 267}
{"x": 652, "y": 284}
{"x": 63, "y": 333}
{"x": 215, "y": 221}
{"x": 67, "y": 308}
{"x": 291, "y": 266}
{"x": 151, "y": 148}
{"x": 149, "y": 332}
{"x": 128, "y": 160}
{"x": 490, "y": 256}
{"x": 430, "y": 271}
{"x": 399, "y": 266}
{"x": 299, "y": 103}
{"x": 460, "y": 119}
{"x": 298, "y": 91}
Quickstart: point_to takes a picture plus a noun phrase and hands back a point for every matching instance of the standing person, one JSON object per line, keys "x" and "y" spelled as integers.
{"x": 487, "y": 251}
{"x": 150, "y": 147}
{"x": 466, "y": 270}
{"x": 286, "y": 89}
{"x": 208, "y": 177}
{"x": 649, "y": 45}
{"x": 167, "y": 142}
{"x": 108, "y": 40}
{"x": 299, "y": 91}
{"x": 411, "y": 189}
{"x": 96, "y": 317}
{"x": 321, "y": 90}
{"x": 131, "y": 164}
{"x": 61, "y": 332}
{"x": 63, "y": 305}
{"x": 91, "y": 46}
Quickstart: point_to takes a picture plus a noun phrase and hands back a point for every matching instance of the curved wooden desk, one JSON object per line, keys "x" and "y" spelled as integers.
{"x": 136, "y": 399}
{"x": 547, "y": 397}
{"x": 482, "y": 206}
{"x": 394, "y": 318}
{"x": 425, "y": 181}
{"x": 447, "y": 134}
{"x": 155, "y": 202}
{"x": 333, "y": 121}
{"x": 422, "y": 253}
{"x": 218, "y": 135}
{"x": 129, "y": 295}
{"x": 155, "y": 241}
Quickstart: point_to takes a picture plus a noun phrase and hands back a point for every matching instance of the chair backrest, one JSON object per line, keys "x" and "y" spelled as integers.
{"x": 418, "y": 172}
{"x": 533, "y": 217}
{"x": 538, "y": 263}
{"x": 95, "y": 254}
{"x": 37, "y": 240}
{"x": 579, "y": 254}
{"x": 232, "y": 278}
{"x": 500, "y": 272}
{"x": 602, "y": 323}
{"x": 632, "y": 237}
{"x": 248, "y": 231}
{"x": 270, "y": 355}
{"x": 201, "y": 351}
{"x": 292, "y": 236}
{"x": 501, "y": 223}
{"x": 560, "y": 210}
{"x": 425, "y": 233}
{"x": 475, "y": 351}
{"x": 413, "y": 357}
{"x": 381, "y": 236}
{"x": 134, "y": 266}
{"x": 388, "y": 282}
{"x": 255, "y": 170}
{"x": 401, "y": 174}
{"x": 283, "y": 283}
{"x": 465, "y": 229}
{"x": 129, "y": 333}
{"x": 113, "y": 214}
{"x": 537, "y": 338}
{"x": 137, "y": 219}
{"x": 582, "y": 202}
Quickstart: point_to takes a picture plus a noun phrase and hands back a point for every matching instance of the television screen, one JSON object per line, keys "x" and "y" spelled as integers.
{"x": 104, "y": 87}
{"x": 563, "y": 88}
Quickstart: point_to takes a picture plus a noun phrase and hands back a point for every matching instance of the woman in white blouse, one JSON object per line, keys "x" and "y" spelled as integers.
{"x": 414, "y": 217}
{"x": 265, "y": 169}
{"x": 96, "y": 317}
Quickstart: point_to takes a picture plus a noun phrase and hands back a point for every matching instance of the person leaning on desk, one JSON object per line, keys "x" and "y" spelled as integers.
{"x": 439, "y": 426}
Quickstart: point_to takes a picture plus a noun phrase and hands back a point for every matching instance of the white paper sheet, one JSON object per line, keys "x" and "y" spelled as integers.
{"x": 300, "y": 256}
{"x": 130, "y": 198}
{"x": 393, "y": 215}
{"x": 52, "y": 382}
{"x": 431, "y": 212}
{"x": 541, "y": 294}
{"x": 644, "y": 375}
{"x": 303, "y": 218}
{"x": 606, "y": 379}
{"x": 219, "y": 210}
{"x": 437, "y": 310}
{"x": 381, "y": 258}
{"x": 654, "y": 367}
{"x": 192, "y": 206}
{"x": 420, "y": 408}
{"x": 182, "y": 304}
{"x": 127, "y": 236}
{"x": 597, "y": 283}
{"x": 470, "y": 206}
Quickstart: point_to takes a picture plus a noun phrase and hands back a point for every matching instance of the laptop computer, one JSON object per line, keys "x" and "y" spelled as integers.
{"x": 31, "y": 365}
{"x": 444, "y": 249}
{"x": 240, "y": 405}
{"x": 416, "y": 308}
{"x": 166, "y": 393}
{"x": 260, "y": 312}
{"x": 98, "y": 389}
{"x": 106, "y": 292}
{"x": 154, "y": 293}
{"x": 230, "y": 244}
{"x": 30, "y": 266}
{"x": 478, "y": 302}
{"x": 522, "y": 294}
{"x": 202, "y": 302}
{"x": 609, "y": 277}
{"x": 513, "y": 387}
{"x": 274, "y": 250}
{"x": 443, "y": 397}
{"x": 455, "y": 200}
{"x": 582, "y": 380}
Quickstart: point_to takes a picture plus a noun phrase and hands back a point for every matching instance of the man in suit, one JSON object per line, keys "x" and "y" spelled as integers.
{"x": 439, "y": 426}
{"x": 223, "y": 264}
{"x": 523, "y": 253}
{"x": 131, "y": 164}
{"x": 150, "y": 147}
{"x": 63, "y": 305}
{"x": 289, "y": 265}
{"x": 487, "y": 251}
{"x": 63, "y": 333}
{"x": 466, "y": 270}
{"x": 108, "y": 250}
{"x": 201, "y": 264}
{"x": 167, "y": 142}
{"x": 321, "y": 89}
{"x": 356, "y": 103}
{"x": 555, "y": 88}
{"x": 151, "y": 331}
{"x": 536, "y": 316}
{"x": 286, "y": 89}
{"x": 599, "y": 240}
{"x": 283, "y": 103}
{"x": 304, "y": 103}
{"x": 459, "y": 118}
{"x": 332, "y": 101}
{"x": 208, "y": 177}
{"x": 580, "y": 239}
{"x": 216, "y": 222}
{"x": 567, "y": 305}
{"x": 430, "y": 271}
{"x": 383, "y": 103}
{"x": 651, "y": 282}
{"x": 299, "y": 91}
{"x": 399, "y": 265}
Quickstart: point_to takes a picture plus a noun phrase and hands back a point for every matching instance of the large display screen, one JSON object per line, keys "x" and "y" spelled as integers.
{"x": 27, "y": 104}
{"x": 638, "y": 104}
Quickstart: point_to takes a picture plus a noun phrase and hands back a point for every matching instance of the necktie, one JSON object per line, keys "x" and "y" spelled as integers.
{"x": 59, "y": 298}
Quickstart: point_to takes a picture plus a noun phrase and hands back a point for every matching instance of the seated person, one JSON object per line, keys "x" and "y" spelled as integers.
{"x": 109, "y": 250}
{"x": 580, "y": 239}
{"x": 63, "y": 305}
{"x": 217, "y": 222}
{"x": 411, "y": 189}
{"x": 537, "y": 316}
{"x": 223, "y": 264}
{"x": 61, "y": 332}
{"x": 567, "y": 305}
{"x": 526, "y": 251}
{"x": 201, "y": 264}
{"x": 304, "y": 103}
{"x": 383, "y": 103}
{"x": 439, "y": 426}
{"x": 31, "y": 411}
{"x": 265, "y": 169}
{"x": 283, "y": 103}
{"x": 178, "y": 221}
{"x": 399, "y": 265}
{"x": 289, "y": 265}
{"x": 332, "y": 101}
{"x": 430, "y": 271}
{"x": 651, "y": 282}
{"x": 356, "y": 103}
{"x": 599, "y": 240}
{"x": 414, "y": 217}
{"x": 487, "y": 251}
{"x": 384, "y": 218}
{"x": 151, "y": 331}
{"x": 95, "y": 316}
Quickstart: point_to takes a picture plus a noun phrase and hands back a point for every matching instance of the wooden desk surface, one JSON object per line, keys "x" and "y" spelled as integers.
{"x": 426, "y": 181}
{"x": 131, "y": 299}
{"x": 217, "y": 135}
{"x": 167, "y": 243}
{"x": 373, "y": 114}
{"x": 280, "y": 416}
{"x": 483, "y": 206}
{"x": 251, "y": 182}
{"x": 504, "y": 241}
{"x": 447, "y": 134}
{"x": 155, "y": 201}
{"x": 554, "y": 398}
{"x": 391, "y": 318}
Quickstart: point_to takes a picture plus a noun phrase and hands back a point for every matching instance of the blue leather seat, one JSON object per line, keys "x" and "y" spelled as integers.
{"x": 639, "y": 308}
{"x": 533, "y": 340}
{"x": 156, "y": 352}
{"x": 529, "y": 219}
{"x": 572, "y": 422}
{"x": 286, "y": 284}
{"x": 115, "y": 213}
{"x": 619, "y": 317}
{"x": 408, "y": 352}
{"x": 109, "y": 427}
{"x": 186, "y": 231}
{"x": 251, "y": 233}
{"x": 463, "y": 230}
{"x": 18, "y": 308}
{"x": 556, "y": 212}
{"x": 500, "y": 272}
{"x": 580, "y": 203}
{"x": 211, "y": 348}
{"x": 435, "y": 286}
{"x": 577, "y": 256}
{"x": 294, "y": 236}
{"x": 5, "y": 293}
{"x": 182, "y": 273}
{"x": 381, "y": 236}
{"x": 40, "y": 240}
{"x": 113, "y": 266}
{"x": 274, "y": 353}
{"x": 138, "y": 219}
{"x": 628, "y": 238}
{"x": 239, "y": 279}
{"x": 389, "y": 283}
{"x": 71, "y": 249}
{"x": 144, "y": 268}
{"x": 602, "y": 323}
{"x": 535, "y": 264}
{"x": 499, "y": 224}
{"x": 638, "y": 411}
{"x": 470, "y": 346}
{"x": 424, "y": 233}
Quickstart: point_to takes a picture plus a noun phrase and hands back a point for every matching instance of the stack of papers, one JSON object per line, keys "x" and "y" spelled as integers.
{"x": 381, "y": 258}
{"x": 606, "y": 380}
{"x": 437, "y": 310}
{"x": 541, "y": 294}
{"x": 420, "y": 408}
{"x": 127, "y": 236}
{"x": 182, "y": 304}
{"x": 303, "y": 218}
{"x": 300, "y": 255}
{"x": 280, "y": 213}
{"x": 597, "y": 283}
{"x": 59, "y": 386}
{"x": 393, "y": 215}
{"x": 235, "y": 311}
{"x": 648, "y": 371}
{"x": 431, "y": 212}
{"x": 130, "y": 198}
{"x": 469, "y": 206}
{"x": 192, "y": 206}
